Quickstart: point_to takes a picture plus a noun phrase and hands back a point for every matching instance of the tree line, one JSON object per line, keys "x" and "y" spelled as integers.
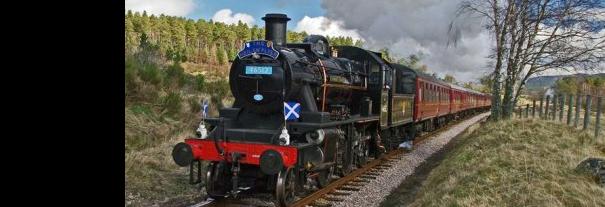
{"x": 199, "y": 41}
{"x": 583, "y": 85}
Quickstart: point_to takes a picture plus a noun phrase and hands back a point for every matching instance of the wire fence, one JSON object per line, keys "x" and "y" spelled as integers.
{"x": 566, "y": 108}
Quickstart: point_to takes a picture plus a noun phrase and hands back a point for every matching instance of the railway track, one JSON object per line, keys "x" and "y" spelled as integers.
{"x": 356, "y": 179}
{"x": 344, "y": 186}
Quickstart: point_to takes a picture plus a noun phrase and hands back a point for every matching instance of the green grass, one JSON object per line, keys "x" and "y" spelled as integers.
{"x": 514, "y": 163}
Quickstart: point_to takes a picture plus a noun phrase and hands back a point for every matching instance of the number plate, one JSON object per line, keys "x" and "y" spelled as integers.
{"x": 259, "y": 70}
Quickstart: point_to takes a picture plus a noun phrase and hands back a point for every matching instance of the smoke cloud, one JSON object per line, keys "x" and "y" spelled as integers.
{"x": 409, "y": 27}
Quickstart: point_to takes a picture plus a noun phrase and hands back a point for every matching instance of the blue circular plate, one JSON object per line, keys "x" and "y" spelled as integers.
{"x": 258, "y": 97}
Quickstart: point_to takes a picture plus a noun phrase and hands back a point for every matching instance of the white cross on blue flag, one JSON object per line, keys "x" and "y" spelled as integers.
{"x": 291, "y": 110}
{"x": 204, "y": 109}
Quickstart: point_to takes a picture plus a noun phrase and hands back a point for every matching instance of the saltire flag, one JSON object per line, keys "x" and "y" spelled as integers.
{"x": 291, "y": 110}
{"x": 204, "y": 109}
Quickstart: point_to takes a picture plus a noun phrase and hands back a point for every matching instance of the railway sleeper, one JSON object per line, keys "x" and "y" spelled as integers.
{"x": 348, "y": 188}
{"x": 321, "y": 203}
{"x": 333, "y": 198}
{"x": 339, "y": 193}
{"x": 354, "y": 184}
{"x": 368, "y": 177}
{"x": 360, "y": 181}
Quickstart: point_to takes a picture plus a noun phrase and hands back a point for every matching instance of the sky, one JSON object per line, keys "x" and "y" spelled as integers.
{"x": 406, "y": 27}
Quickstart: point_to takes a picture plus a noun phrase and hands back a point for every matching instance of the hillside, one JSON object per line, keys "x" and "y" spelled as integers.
{"x": 541, "y": 82}
{"x": 513, "y": 163}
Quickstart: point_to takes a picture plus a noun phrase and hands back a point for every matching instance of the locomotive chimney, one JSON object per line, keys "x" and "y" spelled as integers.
{"x": 275, "y": 28}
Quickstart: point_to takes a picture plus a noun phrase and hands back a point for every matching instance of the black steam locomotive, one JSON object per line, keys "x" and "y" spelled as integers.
{"x": 302, "y": 113}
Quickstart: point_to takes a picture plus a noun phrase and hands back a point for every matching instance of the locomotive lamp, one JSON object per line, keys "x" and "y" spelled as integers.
{"x": 284, "y": 137}
{"x": 202, "y": 133}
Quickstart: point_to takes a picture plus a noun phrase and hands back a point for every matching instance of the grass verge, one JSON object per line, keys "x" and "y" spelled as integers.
{"x": 514, "y": 163}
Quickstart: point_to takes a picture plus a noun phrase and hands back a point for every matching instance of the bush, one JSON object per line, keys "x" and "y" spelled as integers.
{"x": 130, "y": 76}
{"x": 195, "y": 105}
{"x": 199, "y": 82}
{"x": 150, "y": 73}
{"x": 219, "y": 90}
{"x": 171, "y": 103}
{"x": 175, "y": 74}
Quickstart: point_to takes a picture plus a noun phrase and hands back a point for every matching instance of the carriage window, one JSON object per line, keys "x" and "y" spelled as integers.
{"x": 430, "y": 93}
{"x": 405, "y": 83}
{"x": 423, "y": 91}
{"x": 434, "y": 93}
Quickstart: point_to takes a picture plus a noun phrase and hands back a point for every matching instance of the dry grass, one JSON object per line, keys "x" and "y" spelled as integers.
{"x": 210, "y": 71}
{"x": 516, "y": 163}
{"x": 162, "y": 108}
{"x": 152, "y": 177}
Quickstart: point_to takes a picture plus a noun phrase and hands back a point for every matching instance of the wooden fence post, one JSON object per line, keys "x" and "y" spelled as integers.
{"x": 561, "y": 107}
{"x": 598, "y": 122}
{"x": 554, "y": 107}
{"x": 569, "y": 110}
{"x": 540, "y": 111}
{"x": 587, "y": 112}
{"x": 527, "y": 111}
{"x": 533, "y": 110}
{"x": 578, "y": 106}
{"x": 546, "y": 108}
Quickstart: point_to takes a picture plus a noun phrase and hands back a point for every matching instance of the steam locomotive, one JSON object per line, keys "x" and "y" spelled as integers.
{"x": 304, "y": 112}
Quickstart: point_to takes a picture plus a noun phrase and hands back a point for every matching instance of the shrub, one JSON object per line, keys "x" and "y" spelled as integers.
{"x": 194, "y": 105}
{"x": 219, "y": 90}
{"x": 130, "y": 76}
{"x": 199, "y": 82}
{"x": 171, "y": 103}
{"x": 175, "y": 76}
{"x": 150, "y": 73}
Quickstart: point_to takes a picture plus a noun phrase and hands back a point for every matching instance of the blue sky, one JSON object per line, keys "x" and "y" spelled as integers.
{"x": 206, "y": 9}
{"x": 306, "y": 15}
{"x": 296, "y": 9}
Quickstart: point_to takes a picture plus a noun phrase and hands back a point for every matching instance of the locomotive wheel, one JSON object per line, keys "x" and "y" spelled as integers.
{"x": 285, "y": 187}
{"x": 215, "y": 181}
{"x": 325, "y": 177}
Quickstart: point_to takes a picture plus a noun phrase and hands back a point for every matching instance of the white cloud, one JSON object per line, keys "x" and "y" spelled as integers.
{"x": 324, "y": 26}
{"x": 157, "y": 7}
{"x": 226, "y": 16}
{"x": 419, "y": 27}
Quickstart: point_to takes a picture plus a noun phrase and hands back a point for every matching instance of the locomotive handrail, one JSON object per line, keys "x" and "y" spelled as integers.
{"x": 251, "y": 77}
{"x": 352, "y": 72}
{"x": 333, "y": 123}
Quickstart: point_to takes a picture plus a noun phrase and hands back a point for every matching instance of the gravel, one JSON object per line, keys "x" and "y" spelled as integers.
{"x": 372, "y": 193}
